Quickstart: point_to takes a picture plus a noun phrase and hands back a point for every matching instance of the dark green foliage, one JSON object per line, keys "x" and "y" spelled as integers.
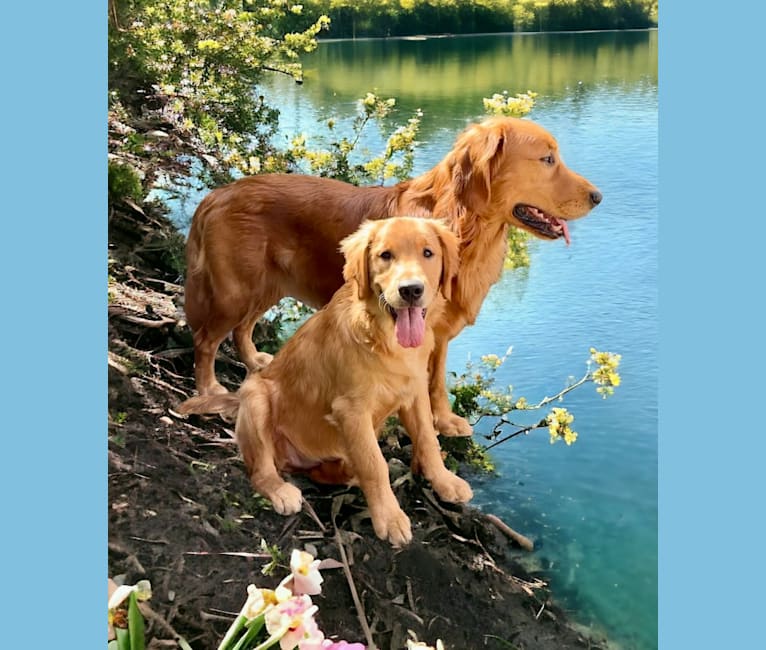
{"x": 124, "y": 183}
{"x": 352, "y": 18}
{"x": 465, "y": 398}
{"x": 468, "y": 454}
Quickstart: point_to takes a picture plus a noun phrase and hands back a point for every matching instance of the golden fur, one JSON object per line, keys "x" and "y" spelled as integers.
{"x": 265, "y": 237}
{"x": 317, "y": 406}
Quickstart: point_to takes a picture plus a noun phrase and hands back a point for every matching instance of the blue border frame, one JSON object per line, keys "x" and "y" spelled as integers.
{"x": 712, "y": 479}
{"x": 54, "y": 324}
{"x": 54, "y": 231}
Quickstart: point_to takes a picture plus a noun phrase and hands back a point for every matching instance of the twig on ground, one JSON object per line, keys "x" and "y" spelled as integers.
{"x": 245, "y": 554}
{"x": 144, "y": 322}
{"x": 409, "y": 595}
{"x": 312, "y": 513}
{"x": 354, "y": 595}
{"x": 173, "y": 353}
{"x": 149, "y": 541}
{"x": 504, "y": 528}
{"x": 153, "y": 617}
{"x": 214, "y": 617}
{"x": 130, "y": 558}
{"x": 164, "y": 384}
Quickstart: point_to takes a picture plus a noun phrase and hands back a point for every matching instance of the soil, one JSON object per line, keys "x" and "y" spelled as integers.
{"x": 182, "y": 513}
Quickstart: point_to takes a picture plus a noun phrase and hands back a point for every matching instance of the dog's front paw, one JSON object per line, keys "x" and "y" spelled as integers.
{"x": 395, "y": 528}
{"x": 452, "y": 489}
{"x": 451, "y": 425}
{"x": 287, "y": 499}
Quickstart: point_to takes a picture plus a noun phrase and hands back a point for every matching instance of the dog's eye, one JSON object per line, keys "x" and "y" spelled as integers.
{"x": 386, "y": 255}
{"x": 548, "y": 160}
{"x": 427, "y": 252}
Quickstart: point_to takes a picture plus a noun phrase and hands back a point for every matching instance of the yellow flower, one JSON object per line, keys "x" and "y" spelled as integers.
{"x": 209, "y": 45}
{"x": 491, "y": 360}
{"x": 559, "y": 420}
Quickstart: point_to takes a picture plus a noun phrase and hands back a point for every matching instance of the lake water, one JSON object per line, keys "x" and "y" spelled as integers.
{"x": 591, "y": 508}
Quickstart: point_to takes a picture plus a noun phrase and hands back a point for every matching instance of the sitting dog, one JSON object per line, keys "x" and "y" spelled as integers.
{"x": 317, "y": 407}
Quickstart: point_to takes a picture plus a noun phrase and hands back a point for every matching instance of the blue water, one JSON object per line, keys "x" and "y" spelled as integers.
{"x": 591, "y": 508}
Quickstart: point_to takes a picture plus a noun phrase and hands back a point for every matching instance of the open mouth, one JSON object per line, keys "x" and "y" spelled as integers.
{"x": 542, "y": 223}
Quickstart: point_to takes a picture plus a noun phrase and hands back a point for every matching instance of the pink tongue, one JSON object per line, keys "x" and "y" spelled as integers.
{"x": 565, "y": 228}
{"x": 410, "y": 326}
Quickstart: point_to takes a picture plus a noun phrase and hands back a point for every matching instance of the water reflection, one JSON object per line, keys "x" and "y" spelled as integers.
{"x": 460, "y": 71}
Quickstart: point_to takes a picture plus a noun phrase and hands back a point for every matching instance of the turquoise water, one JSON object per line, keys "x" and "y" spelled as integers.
{"x": 591, "y": 508}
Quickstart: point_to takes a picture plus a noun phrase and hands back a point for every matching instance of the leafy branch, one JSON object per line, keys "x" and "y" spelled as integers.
{"x": 476, "y": 397}
{"x": 335, "y": 161}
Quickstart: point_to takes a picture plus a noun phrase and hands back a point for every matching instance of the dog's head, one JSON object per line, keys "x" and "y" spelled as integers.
{"x": 402, "y": 263}
{"x": 511, "y": 169}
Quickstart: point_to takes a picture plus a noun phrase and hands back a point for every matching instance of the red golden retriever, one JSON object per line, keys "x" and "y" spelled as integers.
{"x": 317, "y": 407}
{"x": 261, "y": 238}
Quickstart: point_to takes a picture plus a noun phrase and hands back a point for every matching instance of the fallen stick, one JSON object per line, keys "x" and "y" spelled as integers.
{"x": 525, "y": 543}
{"x": 354, "y": 595}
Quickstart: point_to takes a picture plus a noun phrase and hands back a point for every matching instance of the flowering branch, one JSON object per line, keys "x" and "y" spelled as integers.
{"x": 476, "y": 397}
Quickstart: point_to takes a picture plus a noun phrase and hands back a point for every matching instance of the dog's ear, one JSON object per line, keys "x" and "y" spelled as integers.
{"x": 450, "y": 256}
{"x": 475, "y": 159}
{"x": 356, "y": 250}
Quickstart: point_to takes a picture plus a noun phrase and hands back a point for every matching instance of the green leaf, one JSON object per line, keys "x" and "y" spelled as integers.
{"x": 135, "y": 624}
{"x": 254, "y": 627}
{"x": 232, "y": 632}
{"x": 123, "y": 638}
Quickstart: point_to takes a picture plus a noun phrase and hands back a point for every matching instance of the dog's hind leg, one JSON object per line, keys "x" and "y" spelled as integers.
{"x": 255, "y": 437}
{"x": 243, "y": 339}
{"x": 206, "y": 344}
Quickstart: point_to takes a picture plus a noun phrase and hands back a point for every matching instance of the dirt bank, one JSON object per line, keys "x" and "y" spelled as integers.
{"x": 182, "y": 513}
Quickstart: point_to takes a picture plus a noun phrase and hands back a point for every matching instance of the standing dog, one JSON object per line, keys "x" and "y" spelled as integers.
{"x": 265, "y": 237}
{"x": 317, "y": 407}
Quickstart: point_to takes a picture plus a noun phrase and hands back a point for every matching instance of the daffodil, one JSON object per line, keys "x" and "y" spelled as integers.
{"x": 142, "y": 588}
{"x": 258, "y": 601}
{"x": 305, "y": 573}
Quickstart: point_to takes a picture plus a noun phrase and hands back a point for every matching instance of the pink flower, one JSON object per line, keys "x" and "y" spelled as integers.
{"x": 291, "y": 621}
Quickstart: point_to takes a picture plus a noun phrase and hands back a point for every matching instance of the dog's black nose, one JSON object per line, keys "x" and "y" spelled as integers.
{"x": 411, "y": 291}
{"x": 595, "y": 197}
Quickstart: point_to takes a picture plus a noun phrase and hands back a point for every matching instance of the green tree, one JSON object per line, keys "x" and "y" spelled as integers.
{"x": 190, "y": 67}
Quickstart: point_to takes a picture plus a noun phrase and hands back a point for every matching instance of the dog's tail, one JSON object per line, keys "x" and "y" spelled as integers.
{"x": 226, "y": 405}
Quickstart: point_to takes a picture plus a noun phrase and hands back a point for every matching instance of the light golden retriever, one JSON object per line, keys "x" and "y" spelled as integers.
{"x": 265, "y": 237}
{"x": 317, "y": 407}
